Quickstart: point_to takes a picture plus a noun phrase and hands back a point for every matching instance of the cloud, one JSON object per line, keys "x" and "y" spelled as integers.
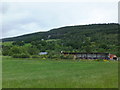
{"x": 22, "y": 18}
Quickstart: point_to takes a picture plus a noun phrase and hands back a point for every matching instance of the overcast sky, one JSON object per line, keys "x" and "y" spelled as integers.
{"x": 23, "y": 18}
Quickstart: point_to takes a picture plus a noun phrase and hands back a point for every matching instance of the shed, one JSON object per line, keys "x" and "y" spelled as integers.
{"x": 43, "y": 53}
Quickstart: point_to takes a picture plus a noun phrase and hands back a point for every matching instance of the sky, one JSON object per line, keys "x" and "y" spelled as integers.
{"x": 29, "y": 17}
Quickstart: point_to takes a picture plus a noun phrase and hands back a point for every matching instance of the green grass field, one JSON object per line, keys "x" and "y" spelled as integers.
{"x": 38, "y": 73}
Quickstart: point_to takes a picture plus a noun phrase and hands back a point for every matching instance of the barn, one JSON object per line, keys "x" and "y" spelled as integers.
{"x": 107, "y": 56}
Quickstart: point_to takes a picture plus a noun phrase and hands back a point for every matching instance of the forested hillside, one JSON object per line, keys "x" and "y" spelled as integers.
{"x": 95, "y": 31}
{"x": 80, "y": 38}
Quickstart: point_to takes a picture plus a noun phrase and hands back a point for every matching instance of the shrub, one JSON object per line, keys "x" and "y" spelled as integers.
{"x": 5, "y": 53}
{"x": 43, "y": 56}
{"x": 105, "y": 60}
{"x": 35, "y": 56}
{"x": 54, "y": 56}
{"x": 99, "y": 60}
{"x": 32, "y": 50}
{"x": 22, "y": 55}
{"x": 66, "y": 57}
{"x": 15, "y": 50}
{"x": 60, "y": 56}
{"x": 5, "y": 50}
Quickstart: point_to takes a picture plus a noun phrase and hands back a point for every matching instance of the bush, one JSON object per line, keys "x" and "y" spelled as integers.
{"x": 5, "y": 50}
{"x": 60, "y": 56}
{"x": 32, "y": 50}
{"x": 22, "y": 55}
{"x": 99, "y": 60}
{"x": 66, "y": 57}
{"x": 43, "y": 56}
{"x": 54, "y": 56}
{"x": 35, "y": 56}
{"x": 15, "y": 50}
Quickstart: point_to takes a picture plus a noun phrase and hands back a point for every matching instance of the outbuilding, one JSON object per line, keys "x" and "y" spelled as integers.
{"x": 43, "y": 53}
{"x": 91, "y": 55}
{"x": 113, "y": 57}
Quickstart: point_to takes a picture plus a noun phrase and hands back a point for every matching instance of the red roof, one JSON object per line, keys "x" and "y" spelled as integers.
{"x": 112, "y": 55}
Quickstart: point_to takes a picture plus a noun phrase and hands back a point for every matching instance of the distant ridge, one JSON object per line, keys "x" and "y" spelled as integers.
{"x": 95, "y": 31}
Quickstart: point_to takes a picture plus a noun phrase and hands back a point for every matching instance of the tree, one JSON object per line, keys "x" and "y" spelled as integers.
{"x": 19, "y": 43}
{"x": 15, "y": 50}
{"x": 33, "y": 51}
{"x": 104, "y": 46}
{"x": 6, "y": 50}
{"x": 88, "y": 45}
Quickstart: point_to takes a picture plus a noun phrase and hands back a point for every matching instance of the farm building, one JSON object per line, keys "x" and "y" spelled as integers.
{"x": 92, "y": 55}
{"x": 43, "y": 53}
{"x": 113, "y": 57}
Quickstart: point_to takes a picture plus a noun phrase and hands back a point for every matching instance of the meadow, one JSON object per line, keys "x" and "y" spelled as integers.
{"x": 46, "y": 73}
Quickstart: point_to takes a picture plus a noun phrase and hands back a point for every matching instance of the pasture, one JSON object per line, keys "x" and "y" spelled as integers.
{"x": 42, "y": 73}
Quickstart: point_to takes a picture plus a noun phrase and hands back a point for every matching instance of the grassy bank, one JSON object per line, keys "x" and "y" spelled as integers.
{"x": 38, "y": 73}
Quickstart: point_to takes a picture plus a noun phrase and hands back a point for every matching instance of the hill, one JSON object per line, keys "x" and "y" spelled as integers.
{"x": 82, "y": 38}
{"x": 95, "y": 31}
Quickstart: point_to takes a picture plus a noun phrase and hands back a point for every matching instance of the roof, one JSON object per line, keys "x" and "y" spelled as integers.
{"x": 43, "y": 53}
{"x": 112, "y": 55}
{"x": 82, "y": 53}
